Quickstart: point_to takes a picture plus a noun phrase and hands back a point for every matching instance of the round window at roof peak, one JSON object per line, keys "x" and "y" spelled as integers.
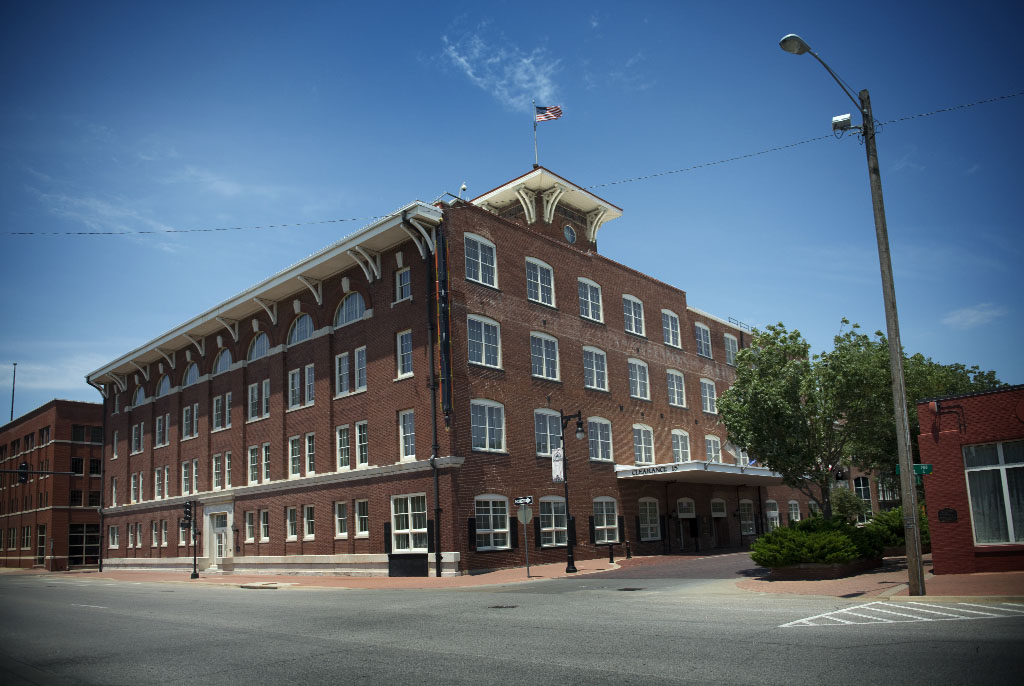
{"x": 570, "y": 233}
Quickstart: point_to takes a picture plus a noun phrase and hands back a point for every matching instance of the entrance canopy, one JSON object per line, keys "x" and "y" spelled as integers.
{"x": 701, "y": 473}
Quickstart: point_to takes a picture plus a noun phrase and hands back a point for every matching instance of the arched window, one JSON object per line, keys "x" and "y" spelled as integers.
{"x": 643, "y": 444}
{"x": 680, "y": 446}
{"x": 191, "y": 375}
{"x": 350, "y": 310}
{"x": 139, "y": 397}
{"x": 223, "y": 361}
{"x": 259, "y": 346}
{"x": 771, "y": 511}
{"x": 302, "y": 329}
{"x": 794, "y": 511}
{"x": 163, "y": 387}
{"x": 686, "y": 509}
{"x": 650, "y": 522}
{"x": 717, "y": 507}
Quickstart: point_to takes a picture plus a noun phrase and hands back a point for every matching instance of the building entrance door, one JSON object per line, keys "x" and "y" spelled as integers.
{"x": 221, "y": 538}
{"x": 689, "y": 535}
{"x": 41, "y": 545}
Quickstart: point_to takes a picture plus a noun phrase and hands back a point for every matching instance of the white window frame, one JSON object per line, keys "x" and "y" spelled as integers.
{"x": 415, "y": 523}
{"x": 342, "y": 375}
{"x": 676, "y": 384}
{"x": 586, "y": 300}
{"x": 732, "y": 348}
{"x": 548, "y": 367}
{"x": 264, "y": 526}
{"x": 309, "y": 445}
{"x": 650, "y": 530}
{"x": 596, "y": 442}
{"x": 362, "y": 444}
{"x": 495, "y": 530}
{"x": 712, "y": 449}
{"x": 218, "y": 413}
{"x": 703, "y": 336}
{"x": 487, "y": 406}
{"x": 291, "y": 524}
{"x": 643, "y": 444}
{"x": 718, "y": 510}
{"x": 686, "y": 508}
{"x": 745, "y": 509}
{"x": 484, "y": 348}
{"x": 670, "y": 328}
{"x": 680, "y": 446}
{"x": 553, "y": 534}
{"x": 792, "y": 510}
{"x": 771, "y": 515}
{"x": 250, "y": 526}
{"x": 400, "y": 276}
{"x": 542, "y": 297}
{"x": 479, "y": 268}
{"x": 294, "y": 457}
{"x": 403, "y": 358}
{"x": 633, "y": 322}
{"x": 295, "y": 333}
{"x": 595, "y": 368}
{"x": 1000, "y": 466}
{"x": 254, "y": 464}
{"x": 546, "y": 421}
{"x": 215, "y": 468}
{"x": 603, "y": 531}
{"x": 362, "y": 515}
{"x": 294, "y": 389}
{"x": 266, "y": 462}
{"x": 310, "y": 384}
{"x": 308, "y": 522}
{"x": 639, "y": 379}
{"x": 341, "y": 519}
{"x": 343, "y": 446}
{"x": 407, "y": 435}
{"x": 342, "y": 317}
{"x": 708, "y": 396}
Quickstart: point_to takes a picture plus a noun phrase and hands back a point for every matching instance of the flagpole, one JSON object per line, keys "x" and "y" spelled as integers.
{"x": 536, "y": 159}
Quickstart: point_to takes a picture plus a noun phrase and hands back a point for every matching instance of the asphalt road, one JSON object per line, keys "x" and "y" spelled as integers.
{"x": 586, "y": 630}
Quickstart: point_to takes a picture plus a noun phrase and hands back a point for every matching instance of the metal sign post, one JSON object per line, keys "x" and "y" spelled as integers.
{"x": 525, "y": 516}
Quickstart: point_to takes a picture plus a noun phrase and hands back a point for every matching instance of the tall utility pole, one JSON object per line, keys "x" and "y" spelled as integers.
{"x": 14, "y": 377}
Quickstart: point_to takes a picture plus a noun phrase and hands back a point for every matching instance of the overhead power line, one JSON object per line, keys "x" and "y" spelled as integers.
{"x": 643, "y": 177}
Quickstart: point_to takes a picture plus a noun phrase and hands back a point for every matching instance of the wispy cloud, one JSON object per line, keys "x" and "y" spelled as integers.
{"x": 906, "y": 162}
{"x": 62, "y": 373}
{"x": 972, "y": 170}
{"x": 98, "y": 214}
{"x": 509, "y": 74}
{"x": 976, "y": 315}
{"x": 218, "y": 184}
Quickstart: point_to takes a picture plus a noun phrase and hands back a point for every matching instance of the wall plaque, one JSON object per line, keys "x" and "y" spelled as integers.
{"x": 947, "y": 515}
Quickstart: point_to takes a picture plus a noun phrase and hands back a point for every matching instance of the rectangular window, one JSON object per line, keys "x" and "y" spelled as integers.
{"x": 294, "y": 457}
{"x": 218, "y": 413}
{"x": 638, "y": 387}
{"x": 590, "y": 300}
{"x": 552, "y": 523}
{"x": 161, "y": 432}
{"x": 310, "y": 384}
{"x": 680, "y": 446}
{"x": 670, "y": 328}
{"x": 606, "y": 524}
{"x": 712, "y": 449}
{"x": 633, "y": 314}
{"x": 112, "y": 537}
{"x": 227, "y": 409}
{"x": 488, "y": 425}
{"x": 409, "y": 523}
{"x": 77, "y": 465}
{"x": 218, "y": 481}
{"x": 676, "y": 396}
{"x": 707, "y": 396}
{"x": 113, "y": 491}
{"x": 492, "y": 523}
{"x": 995, "y": 486}
{"x": 643, "y": 444}
{"x": 403, "y": 351}
{"x": 746, "y": 518}
{"x": 158, "y": 483}
{"x": 341, "y": 379}
{"x": 407, "y": 434}
{"x": 266, "y": 397}
{"x": 137, "y": 438}
{"x": 403, "y": 285}
{"x": 266, "y": 462}
{"x": 731, "y": 348}
{"x": 595, "y": 365}
{"x": 163, "y": 533}
{"x": 195, "y": 476}
{"x": 186, "y": 478}
{"x": 483, "y": 340}
{"x": 362, "y": 518}
{"x": 254, "y": 464}
{"x": 254, "y": 402}
{"x": 309, "y": 522}
{"x": 264, "y": 525}
{"x": 292, "y": 523}
{"x": 344, "y": 461}
{"x": 154, "y": 533}
{"x": 113, "y": 447}
{"x": 186, "y": 422}
{"x": 135, "y": 488}
{"x": 480, "y": 265}
{"x": 360, "y": 369}
{"x": 703, "y": 335}
{"x": 543, "y": 356}
{"x": 362, "y": 445}
{"x": 539, "y": 282}
{"x": 547, "y": 431}
{"x": 599, "y": 433}
{"x": 341, "y": 520}
{"x": 310, "y": 454}
{"x": 650, "y": 525}
{"x": 294, "y": 389}
{"x": 183, "y": 532}
{"x": 250, "y": 526}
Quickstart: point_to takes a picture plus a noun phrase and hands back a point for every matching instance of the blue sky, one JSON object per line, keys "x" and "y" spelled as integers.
{"x": 138, "y": 117}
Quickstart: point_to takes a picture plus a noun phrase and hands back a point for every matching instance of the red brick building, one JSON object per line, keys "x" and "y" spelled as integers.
{"x": 300, "y": 415}
{"x": 52, "y": 520}
{"x": 975, "y": 494}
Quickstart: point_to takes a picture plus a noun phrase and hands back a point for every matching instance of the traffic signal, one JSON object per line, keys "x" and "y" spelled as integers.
{"x": 23, "y": 473}
{"x": 188, "y": 511}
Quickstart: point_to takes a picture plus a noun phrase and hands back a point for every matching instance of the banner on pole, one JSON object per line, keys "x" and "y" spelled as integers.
{"x": 557, "y": 465}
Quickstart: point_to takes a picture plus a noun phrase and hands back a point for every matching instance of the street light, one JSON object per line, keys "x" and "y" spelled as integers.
{"x": 796, "y": 45}
{"x": 570, "y": 566}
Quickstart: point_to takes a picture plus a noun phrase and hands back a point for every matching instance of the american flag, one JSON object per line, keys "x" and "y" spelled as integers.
{"x": 548, "y": 113}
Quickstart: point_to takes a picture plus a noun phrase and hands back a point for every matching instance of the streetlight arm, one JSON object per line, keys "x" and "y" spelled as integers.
{"x": 838, "y": 80}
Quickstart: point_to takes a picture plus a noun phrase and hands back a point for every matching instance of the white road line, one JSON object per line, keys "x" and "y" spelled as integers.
{"x": 98, "y": 607}
{"x": 902, "y": 614}
{"x": 948, "y": 614}
{"x": 874, "y": 619}
{"x": 921, "y": 612}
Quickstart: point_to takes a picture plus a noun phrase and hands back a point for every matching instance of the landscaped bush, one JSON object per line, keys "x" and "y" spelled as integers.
{"x": 816, "y": 540}
{"x": 889, "y": 527}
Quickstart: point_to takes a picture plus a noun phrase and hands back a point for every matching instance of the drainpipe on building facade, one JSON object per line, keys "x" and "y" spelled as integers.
{"x": 434, "y": 448}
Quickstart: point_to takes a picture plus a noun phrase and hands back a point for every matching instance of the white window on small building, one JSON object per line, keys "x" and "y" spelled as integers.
{"x": 488, "y": 425}
{"x": 595, "y": 368}
{"x": 590, "y": 299}
{"x": 686, "y": 508}
{"x": 606, "y": 520}
{"x": 771, "y": 514}
{"x": 407, "y": 434}
{"x": 670, "y": 328}
{"x": 638, "y": 384}
{"x": 676, "y": 392}
{"x": 708, "y": 397}
{"x": 703, "y": 335}
{"x": 543, "y": 356}
{"x": 540, "y": 282}
{"x": 492, "y": 531}
{"x": 409, "y": 523}
{"x": 650, "y": 521}
{"x": 746, "y": 518}
{"x": 680, "y": 446}
{"x": 599, "y": 435}
{"x": 633, "y": 314}
{"x": 483, "y": 341}
{"x": 712, "y": 449}
{"x": 552, "y": 521}
{"x": 813, "y": 507}
{"x": 547, "y": 431}
{"x": 732, "y": 347}
{"x": 481, "y": 265}
{"x": 643, "y": 444}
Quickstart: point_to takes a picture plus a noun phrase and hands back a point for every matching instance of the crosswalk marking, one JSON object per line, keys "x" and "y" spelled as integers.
{"x": 911, "y": 611}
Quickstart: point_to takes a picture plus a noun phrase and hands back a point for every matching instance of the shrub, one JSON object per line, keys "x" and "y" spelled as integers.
{"x": 888, "y": 526}
{"x": 793, "y": 545}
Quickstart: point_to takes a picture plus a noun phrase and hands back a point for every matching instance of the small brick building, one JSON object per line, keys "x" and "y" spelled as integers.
{"x": 975, "y": 494}
{"x": 299, "y": 414}
{"x": 53, "y": 520}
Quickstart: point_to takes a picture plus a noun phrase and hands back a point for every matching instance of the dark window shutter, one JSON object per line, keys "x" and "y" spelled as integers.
{"x": 387, "y": 538}
{"x": 430, "y": 536}
{"x": 513, "y": 532}
{"x": 638, "y": 537}
{"x": 622, "y": 528}
{"x": 471, "y": 527}
{"x": 536, "y": 532}
{"x": 664, "y": 528}
{"x": 593, "y": 532}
